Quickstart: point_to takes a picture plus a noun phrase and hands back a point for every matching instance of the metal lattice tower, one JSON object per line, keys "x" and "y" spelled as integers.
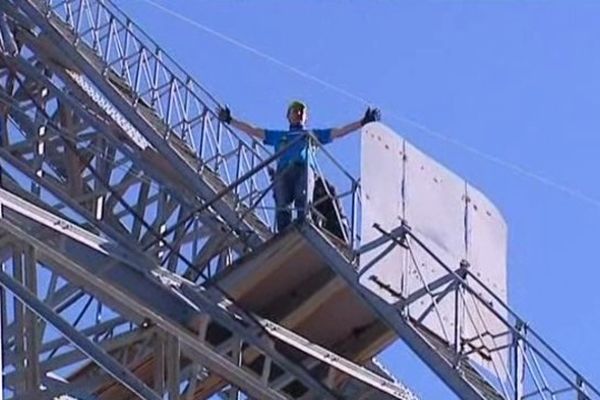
{"x": 129, "y": 216}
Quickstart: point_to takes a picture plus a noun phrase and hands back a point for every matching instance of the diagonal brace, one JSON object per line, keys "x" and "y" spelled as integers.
{"x": 123, "y": 375}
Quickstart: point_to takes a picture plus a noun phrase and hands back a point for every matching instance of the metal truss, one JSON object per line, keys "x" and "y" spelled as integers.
{"x": 71, "y": 156}
{"x": 98, "y": 124}
{"x": 60, "y": 145}
{"x": 150, "y": 95}
{"x": 521, "y": 365}
{"x": 143, "y": 307}
{"x": 126, "y": 187}
{"x": 74, "y": 153}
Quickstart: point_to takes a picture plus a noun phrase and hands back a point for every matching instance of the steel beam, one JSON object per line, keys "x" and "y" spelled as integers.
{"x": 99, "y": 282}
{"x": 418, "y": 343}
{"x": 247, "y": 327}
{"x": 81, "y": 342}
{"x": 93, "y": 70}
{"x": 195, "y": 349}
{"x": 73, "y": 356}
{"x": 336, "y": 362}
{"x": 109, "y": 223}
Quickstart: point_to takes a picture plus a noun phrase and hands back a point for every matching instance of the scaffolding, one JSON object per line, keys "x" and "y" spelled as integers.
{"x": 140, "y": 261}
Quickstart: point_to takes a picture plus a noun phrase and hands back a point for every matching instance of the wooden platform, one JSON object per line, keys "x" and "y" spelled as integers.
{"x": 286, "y": 281}
{"x": 290, "y": 283}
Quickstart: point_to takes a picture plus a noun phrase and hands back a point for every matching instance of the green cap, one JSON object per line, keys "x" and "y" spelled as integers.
{"x": 296, "y": 104}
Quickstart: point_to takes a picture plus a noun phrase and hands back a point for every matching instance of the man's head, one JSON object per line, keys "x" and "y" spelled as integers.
{"x": 297, "y": 113}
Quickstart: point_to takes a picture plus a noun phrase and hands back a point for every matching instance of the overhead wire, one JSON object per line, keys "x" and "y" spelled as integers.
{"x": 495, "y": 159}
{"x": 511, "y": 166}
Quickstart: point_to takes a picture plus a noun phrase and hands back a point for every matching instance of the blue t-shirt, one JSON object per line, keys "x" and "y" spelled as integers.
{"x": 300, "y": 151}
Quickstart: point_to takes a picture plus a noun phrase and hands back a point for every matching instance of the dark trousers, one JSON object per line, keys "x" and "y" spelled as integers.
{"x": 328, "y": 209}
{"x": 294, "y": 185}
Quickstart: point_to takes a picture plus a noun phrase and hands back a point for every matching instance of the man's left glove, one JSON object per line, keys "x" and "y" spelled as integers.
{"x": 371, "y": 115}
{"x": 224, "y": 115}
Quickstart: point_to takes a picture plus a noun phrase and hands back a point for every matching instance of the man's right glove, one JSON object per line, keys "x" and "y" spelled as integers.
{"x": 371, "y": 115}
{"x": 224, "y": 115}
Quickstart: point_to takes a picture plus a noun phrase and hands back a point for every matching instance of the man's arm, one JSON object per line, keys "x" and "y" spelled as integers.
{"x": 371, "y": 115}
{"x": 224, "y": 115}
{"x": 251, "y": 130}
{"x": 346, "y": 129}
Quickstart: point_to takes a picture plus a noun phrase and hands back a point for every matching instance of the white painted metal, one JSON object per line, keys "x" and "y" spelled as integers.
{"x": 454, "y": 220}
{"x": 434, "y": 201}
{"x": 101, "y": 70}
{"x": 487, "y": 241}
{"x": 382, "y": 162}
{"x": 486, "y": 254}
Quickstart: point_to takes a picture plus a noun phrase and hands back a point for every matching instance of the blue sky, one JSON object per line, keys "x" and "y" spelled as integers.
{"x": 517, "y": 80}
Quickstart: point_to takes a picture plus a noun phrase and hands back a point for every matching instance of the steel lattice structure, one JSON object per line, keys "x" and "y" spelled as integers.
{"x": 122, "y": 197}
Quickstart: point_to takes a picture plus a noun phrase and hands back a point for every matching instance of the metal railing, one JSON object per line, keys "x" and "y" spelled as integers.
{"x": 519, "y": 364}
{"x": 157, "y": 86}
{"x": 326, "y": 210}
{"x": 159, "y": 89}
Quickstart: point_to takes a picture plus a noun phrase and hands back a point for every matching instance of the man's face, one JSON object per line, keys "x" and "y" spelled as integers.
{"x": 297, "y": 115}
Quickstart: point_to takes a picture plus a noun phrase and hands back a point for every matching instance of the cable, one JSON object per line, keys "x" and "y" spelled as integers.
{"x": 514, "y": 168}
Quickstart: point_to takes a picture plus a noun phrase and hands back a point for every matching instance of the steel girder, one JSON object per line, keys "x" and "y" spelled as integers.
{"x": 62, "y": 261}
{"x": 152, "y": 298}
{"x": 155, "y": 101}
{"x": 148, "y": 182}
{"x": 533, "y": 369}
{"x": 150, "y": 98}
{"x": 69, "y": 153}
{"x": 54, "y": 139}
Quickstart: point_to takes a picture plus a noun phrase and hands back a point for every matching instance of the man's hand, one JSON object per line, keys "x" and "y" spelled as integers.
{"x": 371, "y": 115}
{"x": 224, "y": 114}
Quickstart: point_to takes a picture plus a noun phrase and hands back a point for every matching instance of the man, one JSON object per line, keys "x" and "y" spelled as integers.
{"x": 295, "y": 177}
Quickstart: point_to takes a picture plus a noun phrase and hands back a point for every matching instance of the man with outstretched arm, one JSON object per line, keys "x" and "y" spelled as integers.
{"x": 295, "y": 177}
